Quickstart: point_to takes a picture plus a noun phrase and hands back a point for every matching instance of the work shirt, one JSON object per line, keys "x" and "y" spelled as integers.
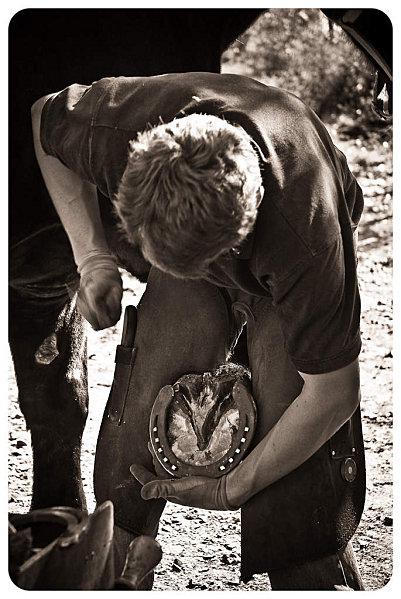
{"x": 301, "y": 252}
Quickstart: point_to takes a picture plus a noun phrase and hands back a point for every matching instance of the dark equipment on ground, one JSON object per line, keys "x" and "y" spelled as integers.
{"x": 62, "y": 548}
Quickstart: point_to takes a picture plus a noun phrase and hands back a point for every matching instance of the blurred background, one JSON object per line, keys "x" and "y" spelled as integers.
{"x": 302, "y": 51}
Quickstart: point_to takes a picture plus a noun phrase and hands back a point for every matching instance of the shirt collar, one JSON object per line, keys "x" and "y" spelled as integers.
{"x": 244, "y": 251}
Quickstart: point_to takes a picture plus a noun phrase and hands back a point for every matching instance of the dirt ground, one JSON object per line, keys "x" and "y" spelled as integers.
{"x": 202, "y": 549}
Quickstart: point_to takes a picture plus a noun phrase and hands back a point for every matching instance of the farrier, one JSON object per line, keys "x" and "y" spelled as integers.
{"x": 237, "y": 196}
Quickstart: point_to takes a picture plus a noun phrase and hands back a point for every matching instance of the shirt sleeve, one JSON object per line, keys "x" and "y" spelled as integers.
{"x": 318, "y": 305}
{"x": 352, "y": 190}
{"x": 67, "y": 123}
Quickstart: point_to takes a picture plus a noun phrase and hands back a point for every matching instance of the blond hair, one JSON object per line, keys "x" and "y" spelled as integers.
{"x": 189, "y": 192}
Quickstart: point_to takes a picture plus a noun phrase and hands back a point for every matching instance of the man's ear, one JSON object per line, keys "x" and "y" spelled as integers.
{"x": 259, "y": 195}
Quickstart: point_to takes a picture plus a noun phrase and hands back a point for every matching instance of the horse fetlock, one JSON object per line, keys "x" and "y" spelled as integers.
{"x": 50, "y": 442}
{"x": 64, "y": 420}
{"x": 56, "y": 469}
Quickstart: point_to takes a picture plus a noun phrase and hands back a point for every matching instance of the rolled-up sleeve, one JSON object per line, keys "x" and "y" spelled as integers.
{"x": 319, "y": 308}
{"x": 67, "y": 124}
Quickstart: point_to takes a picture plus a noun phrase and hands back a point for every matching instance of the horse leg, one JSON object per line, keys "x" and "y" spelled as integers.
{"x": 50, "y": 365}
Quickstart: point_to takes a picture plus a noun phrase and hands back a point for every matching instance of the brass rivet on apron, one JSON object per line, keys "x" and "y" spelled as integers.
{"x": 348, "y": 470}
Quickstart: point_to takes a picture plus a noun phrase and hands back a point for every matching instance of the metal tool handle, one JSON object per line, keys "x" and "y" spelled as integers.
{"x": 129, "y": 326}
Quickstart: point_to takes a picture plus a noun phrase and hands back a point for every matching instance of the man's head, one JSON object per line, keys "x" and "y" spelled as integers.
{"x": 189, "y": 192}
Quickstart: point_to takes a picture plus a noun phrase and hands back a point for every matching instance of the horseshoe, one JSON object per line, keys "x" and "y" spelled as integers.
{"x": 241, "y": 435}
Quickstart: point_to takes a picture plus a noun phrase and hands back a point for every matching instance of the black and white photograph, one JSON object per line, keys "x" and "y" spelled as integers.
{"x": 200, "y": 308}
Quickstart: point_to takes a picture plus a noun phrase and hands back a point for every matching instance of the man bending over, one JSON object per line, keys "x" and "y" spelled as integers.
{"x": 237, "y": 197}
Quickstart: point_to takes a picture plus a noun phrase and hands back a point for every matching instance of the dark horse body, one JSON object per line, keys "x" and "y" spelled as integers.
{"x": 50, "y": 50}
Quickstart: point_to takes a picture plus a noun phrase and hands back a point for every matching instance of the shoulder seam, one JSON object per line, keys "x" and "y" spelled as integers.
{"x": 92, "y": 126}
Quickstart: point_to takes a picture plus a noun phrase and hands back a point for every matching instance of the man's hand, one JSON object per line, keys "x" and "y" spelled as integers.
{"x": 99, "y": 297}
{"x": 195, "y": 491}
{"x": 325, "y": 403}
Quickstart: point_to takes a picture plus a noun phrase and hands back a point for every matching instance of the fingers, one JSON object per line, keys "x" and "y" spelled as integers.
{"x": 108, "y": 312}
{"x": 87, "y": 313}
{"x": 106, "y": 307}
{"x": 195, "y": 491}
{"x": 99, "y": 299}
{"x": 113, "y": 303}
{"x": 162, "y": 489}
{"x": 156, "y": 490}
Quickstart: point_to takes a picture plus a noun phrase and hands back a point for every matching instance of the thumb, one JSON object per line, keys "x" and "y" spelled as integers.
{"x": 142, "y": 474}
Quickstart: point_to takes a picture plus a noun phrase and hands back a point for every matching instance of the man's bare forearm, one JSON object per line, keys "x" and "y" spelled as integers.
{"x": 74, "y": 199}
{"x": 100, "y": 289}
{"x": 325, "y": 403}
